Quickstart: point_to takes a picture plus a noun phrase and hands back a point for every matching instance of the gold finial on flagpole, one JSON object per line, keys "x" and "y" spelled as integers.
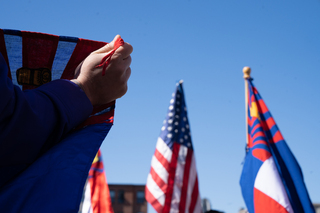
{"x": 246, "y": 75}
{"x": 246, "y": 72}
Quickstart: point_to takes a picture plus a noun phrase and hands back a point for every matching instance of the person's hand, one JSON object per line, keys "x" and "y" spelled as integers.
{"x": 102, "y": 89}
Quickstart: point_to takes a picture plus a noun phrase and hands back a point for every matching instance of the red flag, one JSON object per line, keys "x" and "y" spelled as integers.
{"x": 96, "y": 195}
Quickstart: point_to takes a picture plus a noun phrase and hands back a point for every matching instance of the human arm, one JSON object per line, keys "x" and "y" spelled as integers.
{"x": 33, "y": 121}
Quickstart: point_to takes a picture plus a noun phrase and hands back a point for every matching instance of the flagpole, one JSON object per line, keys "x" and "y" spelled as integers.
{"x": 246, "y": 75}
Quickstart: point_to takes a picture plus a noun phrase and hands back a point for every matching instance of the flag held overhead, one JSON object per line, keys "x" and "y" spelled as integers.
{"x": 54, "y": 180}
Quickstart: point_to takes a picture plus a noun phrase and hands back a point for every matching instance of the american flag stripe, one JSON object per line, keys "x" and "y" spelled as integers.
{"x": 195, "y": 205}
{"x": 157, "y": 166}
{"x": 172, "y": 184}
{"x": 177, "y": 195}
{"x": 158, "y": 180}
{"x": 162, "y": 148}
{"x": 186, "y": 176}
{"x": 171, "y": 179}
{"x": 158, "y": 157}
{"x": 192, "y": 183}
{"x": 156, "y": 203}
{"x": 157, "y": 194}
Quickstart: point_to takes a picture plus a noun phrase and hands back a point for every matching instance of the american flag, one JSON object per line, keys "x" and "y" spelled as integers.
{"x": 172, "y": 184}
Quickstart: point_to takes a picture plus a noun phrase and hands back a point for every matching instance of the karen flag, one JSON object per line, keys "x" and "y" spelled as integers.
{"x": 271, "y": 179}
{"x": 54, "y": 182}
{"x": 96, "y": 197}
{"x": 172, "y": 184}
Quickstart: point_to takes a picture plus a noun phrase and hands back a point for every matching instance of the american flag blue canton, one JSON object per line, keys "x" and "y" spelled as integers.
{"x": 176, "y": 126}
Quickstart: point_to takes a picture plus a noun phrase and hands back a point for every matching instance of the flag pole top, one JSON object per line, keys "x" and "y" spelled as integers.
{"x": 246, "y": 72}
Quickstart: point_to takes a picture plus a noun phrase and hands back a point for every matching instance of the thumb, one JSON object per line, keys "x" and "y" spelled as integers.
{"x": 108, "y": 47}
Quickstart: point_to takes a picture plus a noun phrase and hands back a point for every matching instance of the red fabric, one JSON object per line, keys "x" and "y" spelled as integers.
{"x": 195, "y": 194}
{"x": 265, "y": 204}
{"x": 100, "y": 196}
{"x": 184, "y": 190}
{"x": 98, "y": 119}
{"x": 172, "y": 173}
{"x": 106, "y": 60}
{"x": 153, "y": 201}
{"x": 82, "y": 50}
{"x": 38, "y": 51}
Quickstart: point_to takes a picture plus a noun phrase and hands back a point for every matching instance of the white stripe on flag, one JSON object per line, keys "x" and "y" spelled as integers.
{"x": 178, "y": 180}
{"x": 14, "y": 52}
{"x": 269, "y": 182}
{"x": 85, "y": 206}
{"x": 61, "y": 59}
{"x": 159, "y": 169}
{"x": 155, "y": 190}
{"x": 191, "y": 182}
{"x": 163, "y": 148}
{"x": 197, "y": 208}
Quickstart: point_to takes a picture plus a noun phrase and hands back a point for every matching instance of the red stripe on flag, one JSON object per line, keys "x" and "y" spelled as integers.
{"x": 184, "y": 188}
{"x": 194, "y": 196}
{"x": 258, "y": 134}
{"x": 172, "y": 173}
{"x": 100, "y": 196}
{"x": 261, "y": 154}
{"x": 153, "y": 201}
{"x": 83, "y": 48}
{"x": 162, "y": 160}
{"x": 277, "y": 137}
{"x": 270, "y": 122}
{"x": 38, "y": 51}
{"x": 254, "y": 128}
{"x": 157, "y": 179}
{"x": 262, "y": 106}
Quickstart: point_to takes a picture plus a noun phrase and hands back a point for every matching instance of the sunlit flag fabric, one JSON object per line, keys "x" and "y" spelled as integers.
{"x": 271, "y": 179}
{"x": 172, "y": 184}
{"x": 96, "y": 198}
{"x": 55, "y": 181}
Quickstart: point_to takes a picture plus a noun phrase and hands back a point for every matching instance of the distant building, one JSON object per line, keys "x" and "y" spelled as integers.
{"x": 205, "y": 204}
{"x": 128, "y": 198}
{"x": 316, "y": 207}
{"x": 243, "y": 210}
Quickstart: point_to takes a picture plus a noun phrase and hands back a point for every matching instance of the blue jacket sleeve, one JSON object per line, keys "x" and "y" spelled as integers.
{"x": 33, "y": 121}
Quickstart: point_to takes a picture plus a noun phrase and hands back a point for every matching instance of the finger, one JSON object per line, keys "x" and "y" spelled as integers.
{"x": 127, "y": 61}
{"x": 108, "y": 47}
{"x": 124, "y": 50}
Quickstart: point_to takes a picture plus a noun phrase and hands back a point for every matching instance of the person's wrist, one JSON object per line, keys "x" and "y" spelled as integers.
{"x": 84, "y": 89}
{"x": 77, "y": 83}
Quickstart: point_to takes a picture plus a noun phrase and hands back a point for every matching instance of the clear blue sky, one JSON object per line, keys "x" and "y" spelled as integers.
{"x": 206, "y": 43}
